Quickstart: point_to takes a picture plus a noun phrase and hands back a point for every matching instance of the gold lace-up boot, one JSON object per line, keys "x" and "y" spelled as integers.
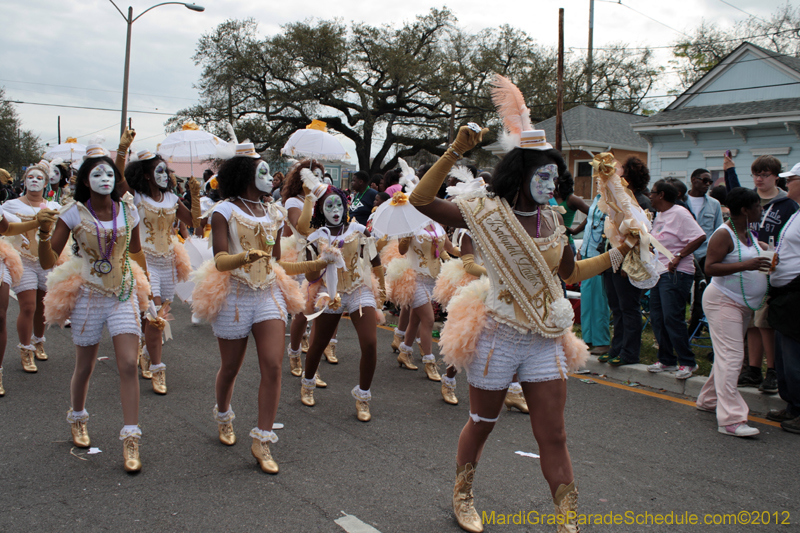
{"x": 304, "y": 343}
{"x": 406, "y": 358}
{"x": 159, "y": 381}
{"x": 463, "y": 504}
{"x": 225, "y": 427}
{"x": 39, "y": 350}
{"x": 260, "y": 451}
{"x": 432, "y": 371}
{"x": 80, "y": 433}
{"x": 516, "y": 400}
{"x": 130, "y": 451}
{"x": 449, "y": 393}
{"x": 144, "y": 361}
{"x": 330, "y": 353}
{"x": 295, "y": 363}
{"x": 362, "y": 411}
{"x": 318, "y": 380}
{"x": 307, "y": 393}
{"x": 26, "y": 356}
{"x": 397, "y": 341}
{"x": 2, "y": 390}
{"x": 566, "y": 501}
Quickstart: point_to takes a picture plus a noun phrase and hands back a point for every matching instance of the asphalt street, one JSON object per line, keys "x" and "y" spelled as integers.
{"x": 631, "y": 453}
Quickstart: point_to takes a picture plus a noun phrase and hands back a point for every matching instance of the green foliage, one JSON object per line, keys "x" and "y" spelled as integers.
{"x": 18, "y": 147}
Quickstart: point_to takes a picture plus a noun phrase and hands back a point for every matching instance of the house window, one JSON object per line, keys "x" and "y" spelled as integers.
{"x": 583, "y": 179}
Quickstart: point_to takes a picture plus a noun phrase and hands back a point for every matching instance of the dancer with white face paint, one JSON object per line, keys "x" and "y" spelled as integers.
{"x": 147, "y": 178}
{"x": 354, "y": 283}
{"x": 32, "y": 286}
{"x": 247, "y": 289}
{"x": 103, "y": 284}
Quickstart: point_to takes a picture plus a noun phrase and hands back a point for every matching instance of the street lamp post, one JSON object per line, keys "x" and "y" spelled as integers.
{"x": 130, "y": 20}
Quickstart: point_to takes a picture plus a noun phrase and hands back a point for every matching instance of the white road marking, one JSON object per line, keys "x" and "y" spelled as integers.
{"x": 351, "y": 524}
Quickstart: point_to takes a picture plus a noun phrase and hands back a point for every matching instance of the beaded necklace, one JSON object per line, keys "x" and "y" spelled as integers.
{"x": 103, "y": 265}
{"x": 783, "y": 230}
{"x": 538, "y": 214}
{"x": 741, "y": 276}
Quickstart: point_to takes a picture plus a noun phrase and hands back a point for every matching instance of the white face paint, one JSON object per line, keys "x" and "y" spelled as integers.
{"x": 161, "y": 175}
{"x": 101, "y": 179}
{"x": 34, "y": 181}
{"x": 333, "y": 209}
{"x": 263, "y": 178}
{"x": 543, "y": 183}
{"x": 55, "y": 177}
{"x": 318, "y": 173}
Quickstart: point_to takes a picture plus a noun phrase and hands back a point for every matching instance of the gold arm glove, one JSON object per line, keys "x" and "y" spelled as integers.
{"x": 140, "y": 259}
{"x": 47, "y": 256}
{"x": 194, "y": 192}
{"x": 303, "y": 267}
{"x": 587, "y": 268}
{"x": 378, "y": 271}
{"x": 18, "y": 228}
{"x": 225, "y": 261}
{"x": 381, "y": 243}
{"x": 425, "y": 192}
{"x": 122, "y": 151}
{"x": 403, "y": 244}
{"x": 304, "y": 222}
{"x": 444, "y": 256}
{"x": 455, "y": 252}
{"x": 471, "y": 268}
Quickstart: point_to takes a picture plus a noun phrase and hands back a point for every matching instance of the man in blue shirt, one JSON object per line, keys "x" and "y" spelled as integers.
{"x": 363, "y": 197}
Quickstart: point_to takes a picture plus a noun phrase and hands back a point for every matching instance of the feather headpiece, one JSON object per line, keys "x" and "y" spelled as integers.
{"x": 510, "y": 104}
{"x": 228, "y": 150}
{"x": 408, "y": 178}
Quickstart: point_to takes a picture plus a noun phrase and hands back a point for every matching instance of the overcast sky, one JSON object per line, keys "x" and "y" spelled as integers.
{"x": 72, "y": 53}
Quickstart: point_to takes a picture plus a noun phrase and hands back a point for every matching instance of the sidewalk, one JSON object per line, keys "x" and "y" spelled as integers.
{"x": 758, "y": 402}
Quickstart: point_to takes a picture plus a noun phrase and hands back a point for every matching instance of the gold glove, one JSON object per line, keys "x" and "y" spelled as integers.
{"x": 140, "y": 259}
{"x": 225, "y": 261}
{"x": 303, "y": 267}
{"x": 125, "y": 143}
{"x": 18, "y": 228}
{"x": 194, "y": 192}
{"x": 304, "y": 222}
{"x": 403, "y": 244}
{"x": 378, "y": 271}
{"x": 473, "y": 269}
{"x": 47, "y": 256}
{"x": 381, "y": 243}
{"x": 425, "y": 192}
{"x": 45, "y": 219}
{"x": 588, "y": 268}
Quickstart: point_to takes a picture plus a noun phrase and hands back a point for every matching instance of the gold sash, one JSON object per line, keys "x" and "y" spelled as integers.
{"x": 508, "y": 249}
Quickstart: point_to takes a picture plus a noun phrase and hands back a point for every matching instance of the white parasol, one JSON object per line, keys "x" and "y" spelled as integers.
{"x": 189, "y": 144}
{"x": 314, "y": 142}
{"x": 68, "y": 151}
{"x": 398, "y": 218}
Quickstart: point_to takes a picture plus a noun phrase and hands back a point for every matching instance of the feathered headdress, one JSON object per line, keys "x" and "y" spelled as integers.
{"x": 228, "y": 150}
{"x": 408, "y": 178}
{"x": 94, "y": 148}
{"x": 467, "y": 182}
{"x": 510, "y": 104}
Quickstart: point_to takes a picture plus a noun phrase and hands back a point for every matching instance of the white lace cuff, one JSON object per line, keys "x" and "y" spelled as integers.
{"x": 515, "y": 388}
{"x": 363, "y": 395}
{"x": 309, "y": 384}
{"x": 450, "y": 383}
{"x": 224, "y": 418}
{"x": 158, "y": 368}
{"x": 80, "y": 416}
{"x": 263, "y": 436}
{"x": 292, "y": 353}
{"x": 428, "y": 358}
{"x": 37, "y": 340}
{"x": 130, "y": 432}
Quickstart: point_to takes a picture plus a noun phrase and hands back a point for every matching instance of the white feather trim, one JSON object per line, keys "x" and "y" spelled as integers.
{"x": 397, "y": 268}
{"x": 562, "y": 313}
{"x": 65, "y": 271}
{"x": 509, "y": 141}
{"x": 231, "y": 133}
{"x": 461, "y": 173}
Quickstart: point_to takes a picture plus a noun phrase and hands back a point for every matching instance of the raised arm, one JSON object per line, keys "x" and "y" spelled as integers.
{"x": 191, "y": 218}
{"x": 424, "y": 195}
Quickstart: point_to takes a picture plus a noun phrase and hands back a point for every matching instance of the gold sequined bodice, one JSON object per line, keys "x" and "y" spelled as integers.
{"x": 245, "y": 234}
{"x": 422, "y": 254}
{"x": 156, "y": 232}
{"x": 351, "y": 277}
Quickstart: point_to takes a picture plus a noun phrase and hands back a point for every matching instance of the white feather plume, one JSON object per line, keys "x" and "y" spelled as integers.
{"x": 231, "y": 133}
{"x": 461, "y": 173}
{"x": 408, "y": 178}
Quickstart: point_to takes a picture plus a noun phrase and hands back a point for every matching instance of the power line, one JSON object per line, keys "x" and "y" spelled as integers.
{"x": 742, "y": 10}
{"x": 86, "y": 134}
{"x": 619, "y": 2}
{"x": 97, "y": 90}
{"x": 770, "y": 34}
{"x": 90, "y": 108}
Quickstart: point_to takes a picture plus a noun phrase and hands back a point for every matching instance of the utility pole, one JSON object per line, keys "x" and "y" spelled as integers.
{"x": 560, "y": 85}
{"x": 589, "y": 56}
{"x": 59, "y": 129}
{"x": 123, "y": 120}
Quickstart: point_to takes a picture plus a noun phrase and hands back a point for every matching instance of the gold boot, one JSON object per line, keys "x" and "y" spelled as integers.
{"x": 516, "y": 400}
{"x": 566, "y": 500}
{"x": 260, "y": 451}
{"x": 362, "y": 411}
{"x": 397, "y": 341}
{"x": 449, "y": 392}
{"x": 431, "y": 371}
{"x": 80, "y": 433}
{"x": 318, "y": 380}
{"x": 406, "y": 358}
{"x": 304, "y": 343}
{"x": 2, "y": 390}
{"x": 307, "y": 392}
{"x": 159, "y": 381}
{"x": 225, "y": 427}
{"x": 26, "y": 355}
{"x": 38, "y": 347}
{"x": 463, "y": 504}
{"x": 130, "y": 451}
{"x": 295, "y": 362}
{"x": 330, "y": 353}
{"x": 144, "y": 362}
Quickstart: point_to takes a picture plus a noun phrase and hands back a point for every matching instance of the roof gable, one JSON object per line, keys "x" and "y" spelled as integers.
{"x": 591, "y": 125}
{"x": 748, "y": 74}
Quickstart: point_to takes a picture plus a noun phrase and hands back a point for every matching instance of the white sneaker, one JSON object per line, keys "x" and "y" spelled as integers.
{"x": 196, "y": 320}
{"x": 685, "y": 372}
{"x": 658, "y": 366}
{"x": 738, "y": 430}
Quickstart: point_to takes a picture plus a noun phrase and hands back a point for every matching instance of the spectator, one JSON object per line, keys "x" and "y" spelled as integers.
{"x": 682, "y": 190}
{"x": 778, "y": 207}
{"x": 624, "y": 299}
{"x": 783, "y": 304}
{"x": 737, "y": 288}
{"x": 595, "y": 312}
{"x": 277, "y": 184}
{"x": 391, "y": 182}
{"x": 719, "y": 193}
{"x": 363, "y": 197}
{"x": 677, "y": 230}
{"x": 375, "y": 184}
{"x": 708, "y": 213}
{"x": 379, "y": 199}
{"x": 563, "y": 196}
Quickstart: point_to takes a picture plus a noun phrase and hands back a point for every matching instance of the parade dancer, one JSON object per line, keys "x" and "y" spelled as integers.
{"x": 32, "y": 286}
{"x": 99, "y": 286}
{"x": 353, "y": 284}
{"x": 147, "y": 178}
{"x": 516, "y": 319}
{"x": 245, "y": 289}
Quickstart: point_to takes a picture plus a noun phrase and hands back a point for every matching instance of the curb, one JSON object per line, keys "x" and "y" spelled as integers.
{"x": 758, "y": 402}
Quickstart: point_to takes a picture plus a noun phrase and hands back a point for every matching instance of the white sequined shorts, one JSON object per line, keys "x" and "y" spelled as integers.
{"x": 6, "y": 275}
{"x": 163, "y": 276}
{"x": 423, "y": 293}
{"x": 361, "y": 297}
{"x": 246, "y": 306}
{"x": 94, "y": 310}
{"x": 533, "y": 357}
{"x": 33, "y": 277}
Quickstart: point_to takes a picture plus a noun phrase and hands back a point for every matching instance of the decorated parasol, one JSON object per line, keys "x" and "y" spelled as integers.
{"x": 314, "y": 142}
{"x": 189, "y": 144}
{"x": 398, "y": 218}
{"x": 627, "y": 222}
{"x": 68, "y": 151}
